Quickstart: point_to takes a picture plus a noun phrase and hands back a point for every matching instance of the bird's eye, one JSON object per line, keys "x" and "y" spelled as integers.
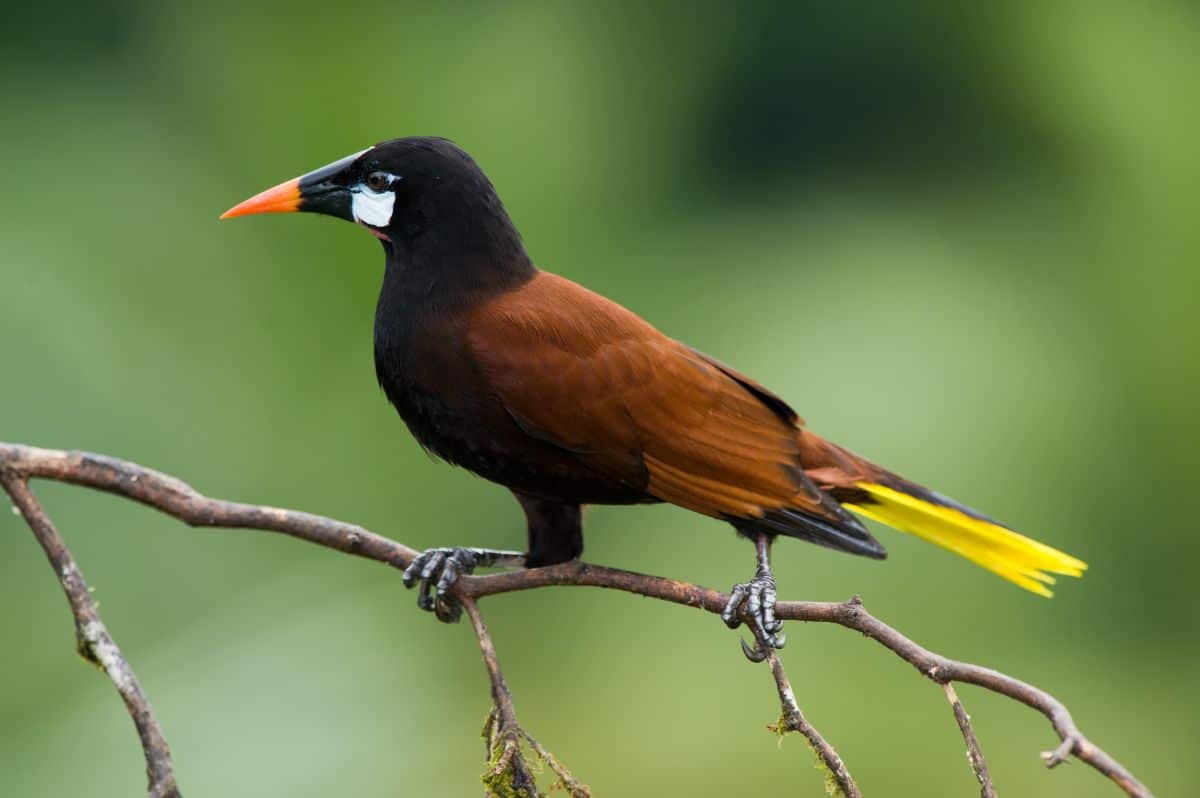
{"x": 379, "y": 181}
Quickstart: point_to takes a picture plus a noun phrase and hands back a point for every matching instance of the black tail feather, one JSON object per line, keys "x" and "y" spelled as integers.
{"x": 847, "y": 535}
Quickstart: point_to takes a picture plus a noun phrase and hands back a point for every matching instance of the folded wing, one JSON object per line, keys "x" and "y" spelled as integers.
{"x": 583, "y": 373}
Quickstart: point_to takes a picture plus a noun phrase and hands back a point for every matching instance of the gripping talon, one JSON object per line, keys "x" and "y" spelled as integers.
{"x": 770, "y": 623}
{"x": 449, "y": 576}
{"x": 447, "y": 610}
{"x": 434, "y": 573}
{"x": 755, "y": 653}
{"x": 730, "y": 614}
{"x": 425, "y": 595}
{"x": 413, "y": 570}
{"x": 754, "y": 601}
{"x": 432, "y": 564}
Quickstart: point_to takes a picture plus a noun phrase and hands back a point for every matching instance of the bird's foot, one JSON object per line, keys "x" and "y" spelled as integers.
{"x": 436, "y": 571}
{"x": 757, "y": 599}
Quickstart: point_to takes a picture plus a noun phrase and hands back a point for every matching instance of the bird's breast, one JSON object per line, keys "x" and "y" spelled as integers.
{"x": 435, "y": 385}
{"x": 427, "y": 377}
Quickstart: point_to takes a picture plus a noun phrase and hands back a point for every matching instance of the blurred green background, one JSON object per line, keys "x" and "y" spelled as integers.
{"x": 959, "y": 240}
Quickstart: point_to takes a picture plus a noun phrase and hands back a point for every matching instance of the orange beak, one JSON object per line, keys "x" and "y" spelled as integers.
{"x": 325, "y": 190}
{"x": 283, "y": 198}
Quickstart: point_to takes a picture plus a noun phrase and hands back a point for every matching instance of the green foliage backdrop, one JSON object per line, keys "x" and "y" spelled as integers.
{"x": 961, "y": 241}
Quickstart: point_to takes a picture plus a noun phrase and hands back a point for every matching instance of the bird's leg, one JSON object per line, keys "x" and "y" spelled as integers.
{"x": 757, "y": 598}
{"x": 436, "y": 570}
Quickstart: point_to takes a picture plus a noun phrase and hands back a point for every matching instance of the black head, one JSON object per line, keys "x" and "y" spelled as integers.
{"x": 425, "y": 198}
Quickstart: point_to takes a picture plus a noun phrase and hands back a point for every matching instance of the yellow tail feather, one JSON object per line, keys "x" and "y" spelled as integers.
{"x": 1019, "y": 559}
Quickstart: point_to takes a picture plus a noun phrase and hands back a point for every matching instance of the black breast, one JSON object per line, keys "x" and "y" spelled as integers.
{"x": 430, "y": 377}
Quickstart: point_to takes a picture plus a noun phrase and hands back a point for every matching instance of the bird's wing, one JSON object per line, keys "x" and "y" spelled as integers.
{"x": 577, "y": 370}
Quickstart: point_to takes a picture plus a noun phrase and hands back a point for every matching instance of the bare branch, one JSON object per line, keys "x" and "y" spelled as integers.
{"x": 179, "y": 500}
{"x": 566, "y": 781}
{"x": 504, "y": 735}
{"x": 173, "y": 497}
{"x": 849, "y": 614}
{"x": 93, "y": 641}
{"x": 506, "y": 764}
{"x": 974, "y": 752}
{"x": 793, "y": 719}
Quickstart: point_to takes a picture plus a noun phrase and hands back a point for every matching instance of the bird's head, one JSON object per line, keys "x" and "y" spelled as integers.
{"x": 401, "y": 190}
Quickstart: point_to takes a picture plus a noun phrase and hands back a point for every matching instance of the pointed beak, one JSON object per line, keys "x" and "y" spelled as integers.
{"x": 283, "y": 198}
{"x": 326, "y": 190}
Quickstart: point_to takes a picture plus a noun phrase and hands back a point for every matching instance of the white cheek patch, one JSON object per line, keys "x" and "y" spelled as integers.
{"x": 373, "y": 209}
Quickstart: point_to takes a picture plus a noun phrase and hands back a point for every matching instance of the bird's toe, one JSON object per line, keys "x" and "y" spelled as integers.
{"x": 733, "y": 608}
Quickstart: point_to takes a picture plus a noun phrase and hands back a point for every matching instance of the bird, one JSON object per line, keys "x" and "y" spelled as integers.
{"x": 568, "y": 399}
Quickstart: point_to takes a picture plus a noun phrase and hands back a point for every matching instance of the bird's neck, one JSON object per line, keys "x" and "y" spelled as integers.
{"x": 414, "y": 287}
{"x": 450, "y": 260}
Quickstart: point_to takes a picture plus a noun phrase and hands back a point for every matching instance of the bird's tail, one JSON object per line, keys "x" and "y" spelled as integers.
{"x": 890, "y": 499}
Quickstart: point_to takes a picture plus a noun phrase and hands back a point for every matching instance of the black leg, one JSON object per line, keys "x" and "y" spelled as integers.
{"x": 555, "y": 531}
{"x": 555, "y": 535}
{"x": 757, "y": 599}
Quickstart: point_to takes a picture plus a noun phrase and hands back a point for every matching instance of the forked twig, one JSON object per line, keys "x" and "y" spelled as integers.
{"x": 508, "y": 772}
{"x": 793, "y": 719}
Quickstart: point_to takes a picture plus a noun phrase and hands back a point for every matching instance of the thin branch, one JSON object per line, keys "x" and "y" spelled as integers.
{"x": 793, "y": 720}
{"x": 504, "y": 734}
{"x": 974, "y": 752}
{"x": 574, "y": 787}
{"x": 850, "y": 614}
{"x": 506, "y": 763}
{"x": 179, "y": 500}
{"x": 93, "y": 641}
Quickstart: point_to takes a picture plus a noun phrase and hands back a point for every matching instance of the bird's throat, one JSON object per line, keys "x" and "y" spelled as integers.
{"x": 424, "y": 298}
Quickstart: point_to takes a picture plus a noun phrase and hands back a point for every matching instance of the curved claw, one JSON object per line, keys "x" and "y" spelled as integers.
{"x": 756, "y": 653}
{"x": 447, "y": 610}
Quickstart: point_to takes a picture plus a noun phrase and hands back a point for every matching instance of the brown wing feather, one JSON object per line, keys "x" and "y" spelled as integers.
{"x": 581, "y": 371}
